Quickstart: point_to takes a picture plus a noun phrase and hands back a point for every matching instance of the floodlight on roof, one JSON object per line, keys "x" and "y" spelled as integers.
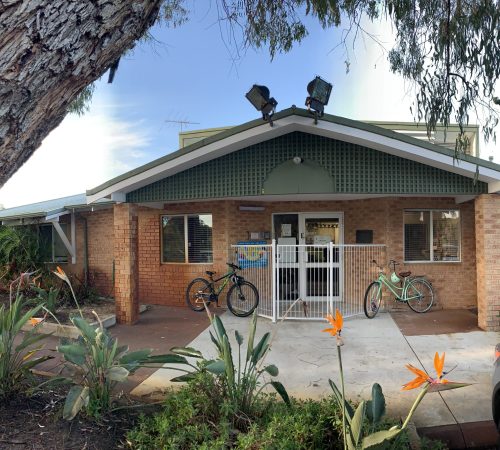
{"x": 319, "y": 92}
{"x": 259, "y": 97}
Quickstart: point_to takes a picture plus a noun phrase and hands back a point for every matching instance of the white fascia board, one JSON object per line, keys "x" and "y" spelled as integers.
{"x": 203, "y": 154}
{"x": 287, "y": 125}
{"x": 396, "y": 147}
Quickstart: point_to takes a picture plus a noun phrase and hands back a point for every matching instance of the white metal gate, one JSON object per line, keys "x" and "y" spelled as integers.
{"x": 320, "y": 277}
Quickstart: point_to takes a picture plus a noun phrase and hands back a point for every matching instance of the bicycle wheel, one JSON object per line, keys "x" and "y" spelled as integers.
{"x": 198, "y": 290}
{"x": 373, "y": 298}
{"x": 419, "y": 295}
{"x": 242, "y": 299}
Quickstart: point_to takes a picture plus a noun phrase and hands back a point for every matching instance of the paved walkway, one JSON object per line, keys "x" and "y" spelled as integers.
{"x": 374, "y": 351}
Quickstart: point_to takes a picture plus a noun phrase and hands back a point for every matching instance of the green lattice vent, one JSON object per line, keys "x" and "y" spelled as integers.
{"x": 354, "y": 170}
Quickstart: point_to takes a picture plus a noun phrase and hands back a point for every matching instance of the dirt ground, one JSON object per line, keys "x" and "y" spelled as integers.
{"x": 35, "y": 423}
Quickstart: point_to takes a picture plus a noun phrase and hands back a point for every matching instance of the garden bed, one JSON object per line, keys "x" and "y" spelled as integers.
{"x": 35, "y": 423}
{"x": 104, "y": 308}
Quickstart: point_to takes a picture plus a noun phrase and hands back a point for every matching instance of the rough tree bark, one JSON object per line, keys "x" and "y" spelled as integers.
{"x": 49, "y": 51}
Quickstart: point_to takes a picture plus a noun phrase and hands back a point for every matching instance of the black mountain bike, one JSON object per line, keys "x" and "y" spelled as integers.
{"x": 242, "y": 297}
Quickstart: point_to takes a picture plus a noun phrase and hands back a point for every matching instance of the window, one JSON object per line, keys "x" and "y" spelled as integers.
{"x": 187, "y": 238}
{"x": 52, "y": 247}
{"x": 432, "y": 235}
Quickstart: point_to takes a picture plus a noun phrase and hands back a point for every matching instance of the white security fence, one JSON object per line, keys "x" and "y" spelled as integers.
{"x": 309, "y": 281}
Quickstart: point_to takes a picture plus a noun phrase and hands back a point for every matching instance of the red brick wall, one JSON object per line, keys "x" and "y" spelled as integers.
{"x": 100, "y": 236}
{"x": 454, "y": 283}
{"x": 166, "y": 283}
{"x": 126, "y": 263}
{"x": 488, "y": 257}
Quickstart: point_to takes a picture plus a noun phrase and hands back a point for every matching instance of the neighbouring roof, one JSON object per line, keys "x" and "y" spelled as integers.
{"x": 48, "y": 207}
{"x": 296, "y": 119}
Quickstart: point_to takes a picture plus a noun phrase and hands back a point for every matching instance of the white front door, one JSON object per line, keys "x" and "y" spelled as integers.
{"x": 320, "y": 265}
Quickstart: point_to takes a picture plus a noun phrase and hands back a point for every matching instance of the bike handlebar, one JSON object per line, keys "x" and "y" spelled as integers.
{"x": 234, "y": 266}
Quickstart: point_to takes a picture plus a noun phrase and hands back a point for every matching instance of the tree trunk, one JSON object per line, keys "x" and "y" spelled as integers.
{"x": 49, "y": 51}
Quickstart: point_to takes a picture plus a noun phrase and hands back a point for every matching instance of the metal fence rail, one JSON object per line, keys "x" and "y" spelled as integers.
{"x": 323, "y": 277}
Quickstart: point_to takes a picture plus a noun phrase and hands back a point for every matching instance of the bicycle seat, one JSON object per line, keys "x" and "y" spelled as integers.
{"x": 404, "y": 274}
{"x": 209, "y": 273}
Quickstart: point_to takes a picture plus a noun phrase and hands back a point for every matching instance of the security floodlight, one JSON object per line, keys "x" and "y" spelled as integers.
{"x": 259, "y": 97}
{"x": 319, "y": 92}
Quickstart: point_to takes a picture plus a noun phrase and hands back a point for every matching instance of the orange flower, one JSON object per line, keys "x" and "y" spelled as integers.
{"x": 34, "y": 321}
{"x": 423, "y": 377}
{"x": 61, "y": 274}
{"x": 336, "y": 323}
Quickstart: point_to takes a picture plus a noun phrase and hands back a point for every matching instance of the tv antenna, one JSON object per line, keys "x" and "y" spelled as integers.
{"x": 182, "y": 123}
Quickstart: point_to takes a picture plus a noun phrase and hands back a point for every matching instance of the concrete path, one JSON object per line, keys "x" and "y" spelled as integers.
{"x": 374, "y": 351}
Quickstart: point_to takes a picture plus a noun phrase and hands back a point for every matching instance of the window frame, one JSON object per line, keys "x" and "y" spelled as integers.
{"x": 53, "y": 236}
{"x": 186, "y": 240}
{"x": 431, "y": 234}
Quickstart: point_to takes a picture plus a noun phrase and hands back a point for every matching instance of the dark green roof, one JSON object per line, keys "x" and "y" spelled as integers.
{"x": 283, "y": 114}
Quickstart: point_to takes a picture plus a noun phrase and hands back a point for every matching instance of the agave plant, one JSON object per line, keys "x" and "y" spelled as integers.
{"x": 242, "y": 379}
{"x": 17, "y": 359}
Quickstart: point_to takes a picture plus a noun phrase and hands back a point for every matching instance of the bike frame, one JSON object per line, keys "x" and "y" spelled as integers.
{"x": 383, "y": 280}
{"x": 227, "y": 277}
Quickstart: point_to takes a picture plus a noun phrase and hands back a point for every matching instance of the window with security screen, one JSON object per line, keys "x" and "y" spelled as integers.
{"x": 187, "y": 238}
{"x": 432, "y": 236}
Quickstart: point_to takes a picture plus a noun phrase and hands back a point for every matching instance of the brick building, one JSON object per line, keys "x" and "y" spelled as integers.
{"x": 156, "y": 227}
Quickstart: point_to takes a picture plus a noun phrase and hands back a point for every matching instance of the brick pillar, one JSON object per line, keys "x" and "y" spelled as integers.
{"x": 487, "y": 214}
{"x": 126, "y": 267}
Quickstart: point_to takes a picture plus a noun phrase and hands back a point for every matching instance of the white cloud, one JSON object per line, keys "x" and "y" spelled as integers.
{"x": 79, "y": 154}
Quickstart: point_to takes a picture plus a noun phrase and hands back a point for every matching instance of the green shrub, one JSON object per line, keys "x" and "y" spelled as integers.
{"x": 197, "y": 417}
{"x": 48, "y": 298}
{"x": 19, "y": 249}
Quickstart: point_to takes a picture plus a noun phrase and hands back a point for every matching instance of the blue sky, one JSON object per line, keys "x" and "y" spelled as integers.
{"x": 191, "y": 74}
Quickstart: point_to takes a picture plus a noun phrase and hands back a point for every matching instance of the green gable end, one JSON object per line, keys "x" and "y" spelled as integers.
{"x": 353, "y": 169}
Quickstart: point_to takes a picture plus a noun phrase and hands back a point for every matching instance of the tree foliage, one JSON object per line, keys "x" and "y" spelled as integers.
{"x": 448, "y": 49}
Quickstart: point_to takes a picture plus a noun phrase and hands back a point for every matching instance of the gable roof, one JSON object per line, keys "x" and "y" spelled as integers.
{"x": 287, "y": 121}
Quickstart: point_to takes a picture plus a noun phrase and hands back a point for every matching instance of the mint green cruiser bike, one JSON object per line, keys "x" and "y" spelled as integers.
{"x": 415, "y": 291}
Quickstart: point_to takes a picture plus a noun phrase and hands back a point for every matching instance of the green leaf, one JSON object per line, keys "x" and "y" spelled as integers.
{"x": 251, "y": 335}
{"x": 280, "y": 389}
{"x": 379, "y": 437}
{"x": 117, "y": 373}
{"x": 375, "y": 408}
{"x": 216, "y": 342}
{"x": 260, "y": 349}
{"x": 228, "y": 362}
{"x": 78, "y": 397}
{"x": 166, "y": 359}
{"x": 357, "y": 423}
{"x": 186, "y": 351}
{"x": 136, "y": 356}
{"x": 219, "y": 328}
{"x": 239, "y": 337}
{"x": 338, "y": 396}
{"x": 218, "y": 367}
{"x": 446, "y": 387}
{"x": 88, "y": 332}
{"x": 272, "y": 370}
{"x": 184, "y": 378}
{"x": 27, "y": 316}
{"x": 73, "y": 353}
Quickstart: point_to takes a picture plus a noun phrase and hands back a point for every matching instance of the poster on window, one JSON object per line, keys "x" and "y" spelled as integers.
{"x": 252, "y": 254}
